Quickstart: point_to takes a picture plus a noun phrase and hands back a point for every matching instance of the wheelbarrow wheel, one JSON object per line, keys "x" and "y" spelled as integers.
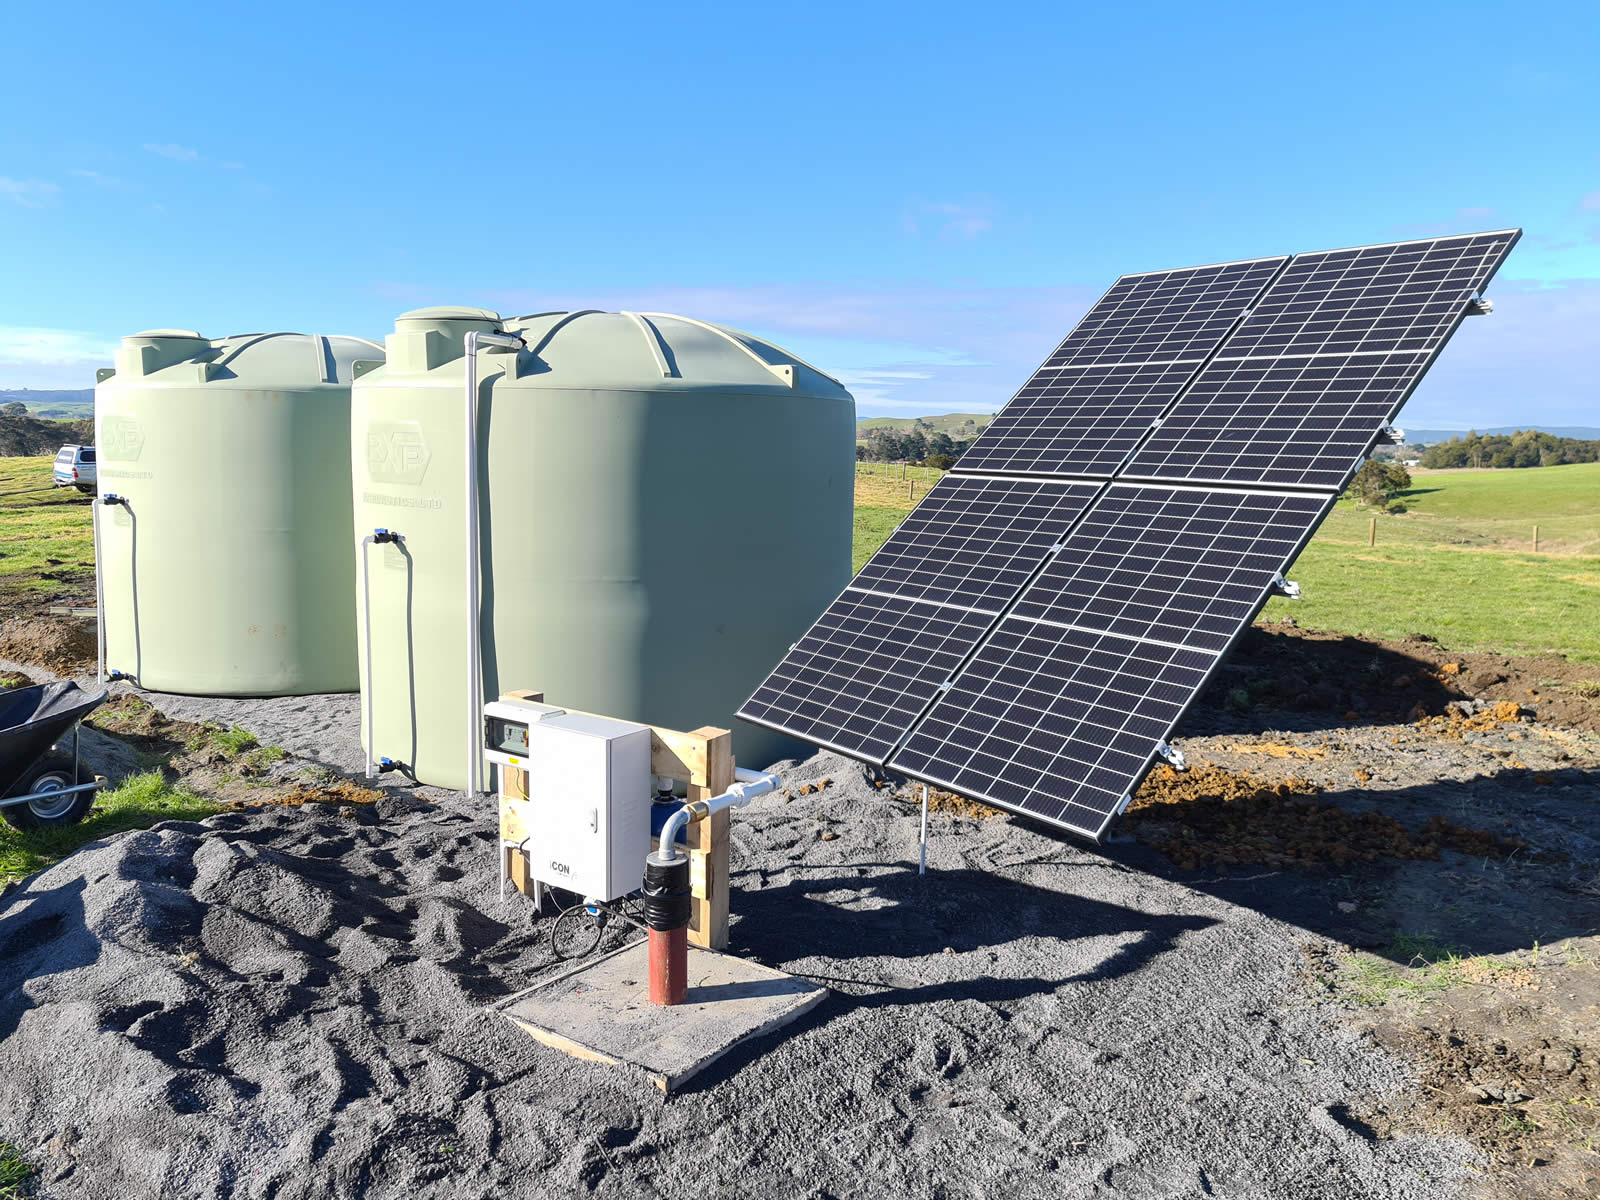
{"x": 50, "y": 774}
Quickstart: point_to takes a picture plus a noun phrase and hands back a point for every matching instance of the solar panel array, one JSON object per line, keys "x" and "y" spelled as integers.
{"x": 1087, "y": 407}
{"x": 1032, "y": 642}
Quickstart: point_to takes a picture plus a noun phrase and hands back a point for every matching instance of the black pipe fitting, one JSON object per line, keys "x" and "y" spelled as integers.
{"x": 666, "y": 893}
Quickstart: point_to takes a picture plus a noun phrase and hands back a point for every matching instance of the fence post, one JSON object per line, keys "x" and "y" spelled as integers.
{"x": 1372, "y": 532}
{"x": 1536, "y": 539}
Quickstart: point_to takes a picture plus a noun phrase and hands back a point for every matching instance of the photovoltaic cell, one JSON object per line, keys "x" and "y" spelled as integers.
{"x": 975, "y": 540}
{"x": 863, "y": 672}
{"x": 1058, "y": 723}
{"x": 1180, "y": 565}
{"x": 1119, "y": 368}
{"x": 1325, "y": 360}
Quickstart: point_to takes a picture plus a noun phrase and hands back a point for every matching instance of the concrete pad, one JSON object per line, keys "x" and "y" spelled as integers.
{"x": 601, "y": 1011}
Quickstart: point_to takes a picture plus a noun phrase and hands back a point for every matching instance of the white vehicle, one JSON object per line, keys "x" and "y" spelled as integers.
{"x": 75, "y": 468}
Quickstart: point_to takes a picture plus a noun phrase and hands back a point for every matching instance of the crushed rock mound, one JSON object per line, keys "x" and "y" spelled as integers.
{"x": 279, "y": 972}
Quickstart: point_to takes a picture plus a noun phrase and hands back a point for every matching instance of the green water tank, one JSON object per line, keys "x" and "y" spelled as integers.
{"x": 229, "y": 570}
{"x": 664, "y": 506}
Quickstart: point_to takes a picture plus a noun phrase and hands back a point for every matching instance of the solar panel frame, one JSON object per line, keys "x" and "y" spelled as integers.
{"x": 1086, "y": 407}
{"x": 1274, "y": 365}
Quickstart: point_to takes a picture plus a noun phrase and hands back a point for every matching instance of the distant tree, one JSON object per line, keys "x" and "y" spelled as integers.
{"x": 1376, "y": 481}
{"x": 861, "y": 452}
{"x": 942, "y": 461}
{"x": 16, "y": 408}
{"x": 941, "y": 444}
{"x": 915, "y": 446}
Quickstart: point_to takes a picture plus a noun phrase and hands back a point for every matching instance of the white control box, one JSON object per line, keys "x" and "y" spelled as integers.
{"x": 584, "y": 823}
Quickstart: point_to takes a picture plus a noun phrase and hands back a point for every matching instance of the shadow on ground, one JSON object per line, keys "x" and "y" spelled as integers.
{"x": 1506, "y": 899}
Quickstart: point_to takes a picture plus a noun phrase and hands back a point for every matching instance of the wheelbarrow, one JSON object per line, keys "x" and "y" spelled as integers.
{"x": 40, "y": 784}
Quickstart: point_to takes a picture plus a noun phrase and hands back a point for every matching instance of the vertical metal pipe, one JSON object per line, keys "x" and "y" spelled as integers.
{"x": 474, "y": 635}
{"x": 501, "y": 341}
{"x": 922, "y": 865}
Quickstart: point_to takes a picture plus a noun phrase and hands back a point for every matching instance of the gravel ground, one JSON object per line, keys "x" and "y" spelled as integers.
{"x": 296, "y": 1003}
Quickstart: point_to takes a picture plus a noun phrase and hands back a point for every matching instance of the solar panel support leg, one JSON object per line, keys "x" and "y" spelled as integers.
{"x": 922, "y": 863}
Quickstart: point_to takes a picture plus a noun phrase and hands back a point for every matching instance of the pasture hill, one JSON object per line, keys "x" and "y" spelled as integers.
{"x": 29, "y": 436}
{"x": 960, "y": 426}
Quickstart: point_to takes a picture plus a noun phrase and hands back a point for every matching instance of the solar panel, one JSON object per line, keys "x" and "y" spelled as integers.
{"x": 1181, "y": 565}
{"x": 1085, "y": 409}
{"x": 1054, "y": 722}
{"x": 863, "y": 672}
{"x": 1329, "y": 355}
{"x": 975, "y": 540}
{"x": 876, "y": 657}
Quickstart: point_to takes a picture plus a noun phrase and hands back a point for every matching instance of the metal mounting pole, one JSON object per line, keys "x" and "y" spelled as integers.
{"x": 922, "y": 865}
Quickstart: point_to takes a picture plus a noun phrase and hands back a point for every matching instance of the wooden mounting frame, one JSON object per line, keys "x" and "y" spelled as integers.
{"x": 703, "y": 760}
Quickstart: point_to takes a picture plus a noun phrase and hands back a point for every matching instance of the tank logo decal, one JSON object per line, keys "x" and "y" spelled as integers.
{"x": 396, "y": 452}
{"x": 121, "y": 438}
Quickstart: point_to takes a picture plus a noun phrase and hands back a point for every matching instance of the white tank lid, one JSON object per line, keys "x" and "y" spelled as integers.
{"x": 448, "y": 312}
{"x": 164, "y": 334}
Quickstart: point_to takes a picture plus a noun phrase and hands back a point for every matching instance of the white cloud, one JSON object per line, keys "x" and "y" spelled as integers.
{"x": 96, "y": 178}
{"x": 34, "y": 357}
{"x": 1535, "y": 359}
{"x": 30, "y": 193}
{"x": 173, "y": 151}
{"x": 1590, "y": 203}
{"x": 947, "y": 221}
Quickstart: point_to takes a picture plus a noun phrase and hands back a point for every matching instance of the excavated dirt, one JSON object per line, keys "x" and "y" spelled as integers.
{"x": 62, "y": 646}
{"x": 1280, "y": 666}
{"x": 1507, "y": 1058}
{"x": 1214, "y": 817}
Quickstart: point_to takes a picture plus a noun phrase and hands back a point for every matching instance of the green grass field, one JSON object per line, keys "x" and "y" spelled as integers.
{"x": 1457, "y": 565}
{"x": 137, "y": 803}
{"x": 46, "y": 538}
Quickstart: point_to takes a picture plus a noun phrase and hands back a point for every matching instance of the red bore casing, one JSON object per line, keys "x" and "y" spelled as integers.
{"x": 669, "y": 966}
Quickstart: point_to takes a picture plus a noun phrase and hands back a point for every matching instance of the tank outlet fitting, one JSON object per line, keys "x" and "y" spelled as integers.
{"x": 666, "y": 914}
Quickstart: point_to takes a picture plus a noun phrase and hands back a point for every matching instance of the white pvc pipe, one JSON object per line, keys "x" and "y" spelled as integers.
{"x": 99, "y": 601}
{"x": 366, "y": 643}
{"x": 503, "y": 341}
{"x": 749, "y": 785}
{"x": 99, "y": 587}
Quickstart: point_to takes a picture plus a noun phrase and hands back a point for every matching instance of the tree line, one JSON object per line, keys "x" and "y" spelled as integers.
{"x": 935, "y": 449}
{"x": 1526, "y": 448}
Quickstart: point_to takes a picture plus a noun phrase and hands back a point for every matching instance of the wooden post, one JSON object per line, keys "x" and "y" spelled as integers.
{"x": 1372, "y": 532}
{"x": 708, "y": 845}
{"x": 911, "y": 494}
{"x": 1536, "y": 539}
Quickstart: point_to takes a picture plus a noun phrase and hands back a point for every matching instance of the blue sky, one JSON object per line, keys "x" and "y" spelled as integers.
{"x": 918, "y": 198}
